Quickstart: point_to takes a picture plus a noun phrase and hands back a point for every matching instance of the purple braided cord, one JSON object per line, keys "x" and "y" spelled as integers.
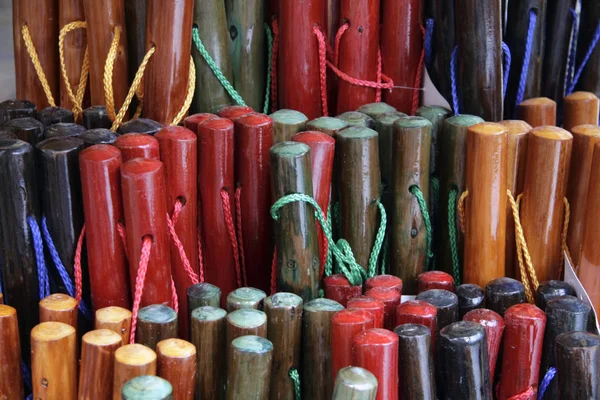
{"x": 428, "y": 41}
{"x": 526, "y": 57}
{"x": 453, "y": 79}
{"x": 593, "y": 44}
{"x": 546, "y": 382}
{"x": 506, "y": 66}
{"x": 38, "y": 247}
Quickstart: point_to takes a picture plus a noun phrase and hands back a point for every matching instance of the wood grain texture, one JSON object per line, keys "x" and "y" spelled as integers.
{"x": 97, "y": 364}
{"x": 245, "y": 297}
{"x": 11, "y": 381}
{"x": 26, "y": 129}
{"x": 177, "y": 364}
{"x": 355, "y": 383}
{"x": 578, "y": 357}
{"x": 537, "y": 111}
{"x": 249, "y": 362}
{"x": 59, "y": 307}
{"x": 246, "y": 322}
{"x": 135, "y": 18}
{"x": 155, "y": 323}
{"x": 416, "y": 378}
{"x": 131, "y": 360}
{"x": 542, "y": 207}
{"x": 287, "y": 123}
{"x": 580, "y": 108}
{"x": 203, "y": 294}
{"x": 116, "y": 319}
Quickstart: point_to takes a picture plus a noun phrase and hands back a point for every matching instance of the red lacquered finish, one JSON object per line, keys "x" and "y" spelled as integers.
{"x": 168, "y": 27}
{"x": 345, "y": 325}
{"x": 418, "y": 312}
{"x": 391, "y": 299}
{"x": 179, "y": 151}
{"x": 145, "y": 209}
{"x": 299, "y": 56}
{"x": 522, "y": 350}
{"x": 435, "y": 280}
{"x": 401, "y": 46}
{"x": 194, "y": 120}
{"x": 138, "y": 145}
{"x": 101, "y": 193}
{"x": 322, "y": 148}
{"x": 376, "y": 350}
{"x": 338, "y": 288}
{"x": 374, "y": 306}
{"x": 215, "y": 172}
{"x": 253, "y": 139}
{"x": 233, "y": 112}
{"x": 388, "y": 281}
{"x": 358, "y": 52}
{"x": 494, "y": 327}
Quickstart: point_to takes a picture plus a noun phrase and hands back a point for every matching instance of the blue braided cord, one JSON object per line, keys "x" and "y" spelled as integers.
{"x": 38, "y": 247}
{"x": 26, "y": 372}
{"x": 506, "y": 66}
{"x": 428, "y": 41}
{"x": 30, "y": 397}
{"x": 572, "y": 49}
{"x": 62, "y": 271}
{"x": 453, "y": 79}
{"x": 526, "y": 57}
{"x": 593, "y": 44}
{"x": 546, "y": 382}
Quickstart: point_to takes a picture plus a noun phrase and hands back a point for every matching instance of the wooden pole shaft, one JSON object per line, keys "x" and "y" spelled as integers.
{"x": 578, "y": 357}
{"x": 177, "y": 364}
{"x": 194, "y": 120}
{"x": 155, "y": 323}
{"x": 537, "y": 111}
{"x": 116, "y": 319}
{"x": 135, "y": 19}
{"x": 143, "y": 387}
{"x": 580, "y": 108}
{"x": 338, "y": 288}
{"x": 97, "y": 364}
{"x": 53, "y": 361}
{"x": 550, "y": 290}
{"x": 246, "y": 322}
{"x": 98, "y": 136}
{"x": 11, "y": 382}
{"x": 418, "y": 312}
{"x": 373, "y": 306}
{"x": 415, "y": 370}
{"x": 140, "y": 125}
{"x": 502, "y": 293}
{"x": 391, "y": 299}
{"x": 446, "y": 304}
{"x": 249, "y": 362}
{"x": 355, "y": 383}
{"x": 494, "y": 328}
{"x": 26, "y": 129}
{"x": 59, "y": 307}
{"x": 15, "y": 109}
{"x": 287, "y": 123}
{"x": 470, "y": 297}
{"x": 131, "y": 360}
{"x": 245, "y": 297}
{"x": 376, "y": 350}
{"x": 138, "y": 145}
{"x": 203, "y": 294}
{"x": 96, "y": 117}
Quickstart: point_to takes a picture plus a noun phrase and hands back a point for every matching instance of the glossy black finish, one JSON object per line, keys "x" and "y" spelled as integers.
{"x": 96, "y": 117}
{"x": 415, "y": 363}
{"x": 27, "y": 129}
{"x": 63, "y": 129}
{"x": 578, "y": 361}
{"x": 470, "y": 297}
{"x": 446, "y": 303}
{"x": 502, "y": 293}
{"x": 11, "y": 109}
{"x": 98, "y": 136}
{"x": 53, "y": 115}
{"x": 140, "y": 125}
{"x": 549, "y": 290}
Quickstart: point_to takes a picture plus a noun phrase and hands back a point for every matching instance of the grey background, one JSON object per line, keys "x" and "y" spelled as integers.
{"x": 7, "y": 63}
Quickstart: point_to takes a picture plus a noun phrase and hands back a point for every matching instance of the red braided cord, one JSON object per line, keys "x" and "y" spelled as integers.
{"x": 231, "y": 231}
{"x": 274, "y": 66}
{"x": 184, "y": 259}
{"x": 338, "y": 39}
{"x": 174, "y": 299}
{"x": 526, "y": 395}
{"x": 322, "y": 68}
{"x": 121, "y": 230}
{"x": 77, "y": 266}
{"x": 240, "y": 237}
{"x": 200, "y": 256}
{"x": 139, "y": 284}
{"x": 274, "y": 273}
{"x": 379, "y": 67}
{"x": 418, "y": 77}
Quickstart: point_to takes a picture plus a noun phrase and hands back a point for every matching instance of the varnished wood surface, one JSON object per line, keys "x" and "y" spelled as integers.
{"x": 580, "y": 108}
{"x": 537, "y": 111}
{"x": 176, "y": 362}
{"x": 11, "y": 382}
{"x": 116, "y": 319}
{"x": 97, "y": 364}
{"x": 131, "y": 360}
{"x": 249, "y": 361}
{"x": 59, "y": 307}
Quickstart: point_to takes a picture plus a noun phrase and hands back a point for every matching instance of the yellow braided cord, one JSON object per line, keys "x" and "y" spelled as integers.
{"x": 135, "y": 87}
{"x": 461, "y": 210}
{"x": 564, "y": 246}
{"x": 521, "y": 248}
{"x": 189, "y": 95}
{"x": 77, "y": 100}
{"x": 109, "y": 99}
{"x": 140, "y": 95}
{"x": 37, "y": 65}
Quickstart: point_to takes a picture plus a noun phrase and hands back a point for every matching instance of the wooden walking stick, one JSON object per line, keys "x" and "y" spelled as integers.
{"x": 415, "y": 370}
{"x": 116, "y": 319}
{"x": 329, "y": 125}
{"x": 286, "y": 124}
{"x": 550, "y": 290}
{"x": 345, "y": 324}
{"x": 580, "y": 108}
{"x": 144, "y": 205}
{"x": 138, "y": 145}
{"x": 522, "y": 352}
{"x": 234, "y": 112}
{"x": 215, "y": 185}
{"x": 54, "y": 115}
{"x": 585, "y": 138}
{"x": 357, "y": 118}
{"x": 391, "y": 299}
{"x": 98, "y": 136}
{"x": 105, "y": 28}
{"x": 446, "y": 304}
{"x": 211, "y": 21}
{"x": 135, "y": 19}
{"x": 246, "y": 322}
{"x": 518, "y": 133}
{"x": 588, "y": 31}
{"x": 40, "y": 26}
{"x": 208, "y": 329}
{"x": 18, "y": 193}
{"x": 316, "y": 348}
{"x": 401, "y": 47}
{"x": 284, "y": 330}
{"x": 462, "y": 357}
{"x": 97, "y": 364}
{"x": 14, "y": 109}
{"x": 203, "y": 294}
{"x": 435, "y": 280}
{"x": 101, "y": 188}
{"x": 377, "y": 109}
{"x": 410, "y": 243}
{"x": 179, "y": 152}
{"x": 53, "y": 361}
{"x": 418, "y": 312}
{"x": 298, "y": 266}
{"x": 494, "y": 328}
{"x": 26, "y": 129}
{"x": 245, "y": 298}
{"x": 338, "y": 288}
{"x": 577, "y": 357}
{"x": 359, "y": 192}
{"x": 249, "y": 361}
{"x": 373, "y": 306}
{"x": 537, "y": 111}
{"x": 485, "y": 237}
{"x": 479, "y": 58}
{"x": 132, "y": 360}
{"x": 525, "y": 36}
{"x": 355, "y": 383}
{"x": 247, "y": 49}
{"x": 11, "y": 382}
{"x": 147, "y": 386}
{"x": 155, "y": 323}
{"x": 299, "y": 56}
{"x": 384, "y": 281}
{"x": 63, "y": 129}
{"x": 470, "y": 297}
{"x": 503, "y": 293}
{"x": 96, "y": 117}
{"x": 140, "y": 125}
{"x": 194, "y": 120}
{"x": 177, "y": 364}
{"x": 253, "y": 138}
{"x": 542, "y": 207}
{"x": 59, "y": 307}
{"x": 452, "y": 165}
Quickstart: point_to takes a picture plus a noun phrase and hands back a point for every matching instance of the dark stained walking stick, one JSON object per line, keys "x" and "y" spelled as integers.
{"x": 249, "y": 363}
{"x": 446, "y": 304}
{"x": 502, "y": 293}
{"x": 578, "y": 357}
{"x": 245, "y": 297}
{"x": 177, "y": 364}
{"x": 14, "y": 109}
{"x": 470, "y": 297}
{"x": 415, "y": 363}
{"x": 203, "y": 294}
{"x": 140, "y": 125}
{"x": 355, "y": 383}
{"x": 54, "y": 115}
{"x": 155, "y": 323}
{"x": 418, "y": 312}
{"x": 27, "y": 129}
{"x": 549, "y": 290}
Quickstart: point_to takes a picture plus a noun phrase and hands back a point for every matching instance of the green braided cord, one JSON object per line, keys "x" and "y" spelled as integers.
{"x": 384, "y": 261}
{"x": 342, "y": 251}
{"x": 211, "y": 63}
{"x": 416, "y": 191}
{"x": 435, "y": 190}
{"x": 329, "y": 259}
{"x": 295, "y": 377}
{"x": 269, "y": 68}
{"x": 452, "y": 199}
{"x": 378, "y": 242}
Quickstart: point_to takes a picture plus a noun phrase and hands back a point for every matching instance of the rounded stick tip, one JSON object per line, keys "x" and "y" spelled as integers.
{"x": 580, "y": 96}
{"x": 140, "y": 166}
{"x": 516, "y": 127}
{"x": 376, "y": 108}
{"x": 58, "y": 302}
{"x": 247, "y": 318}
{"x": 357, "y": 378}
{"x": 351, "y": 317}
{"x": 175, "y": 348}
{"x": 586, "y": 130}
{"x": 412, "y": 330}
{"x": 290, "y": 149}
{"x": 112, "y": 314}
{"x": 488, "y": 129}
{"x": 102, "y": 337}
{"x": 538, "y": 102}
{"x": 176, "y": 133}
{"x": 357, "y": 133}
{"x": 551, "y": 133}
{"x": 147, "y": 387}
{"x": 252, "y": 344}
{"x": 375, "y": 336}
{"x": 135, "y": 354}
{"x": 322, "y": 304}
{"x": 100, "y": 152}
{"x": 464, "y": 120}
{"x": 7, "y": 311}
{"x": 157, "y": 313}
{"x": 51, "y": 331}
{"x": 208, "y": 313}
{"x": 523, "y": 311}
{"x": 463, "y": 331}
{"x": 578, "y": 340}
{"x": 283, "y": 300}
{"x": 288, "y": 117}
{"x": 412, "y": 122}
{"x": 328, "y": 123}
